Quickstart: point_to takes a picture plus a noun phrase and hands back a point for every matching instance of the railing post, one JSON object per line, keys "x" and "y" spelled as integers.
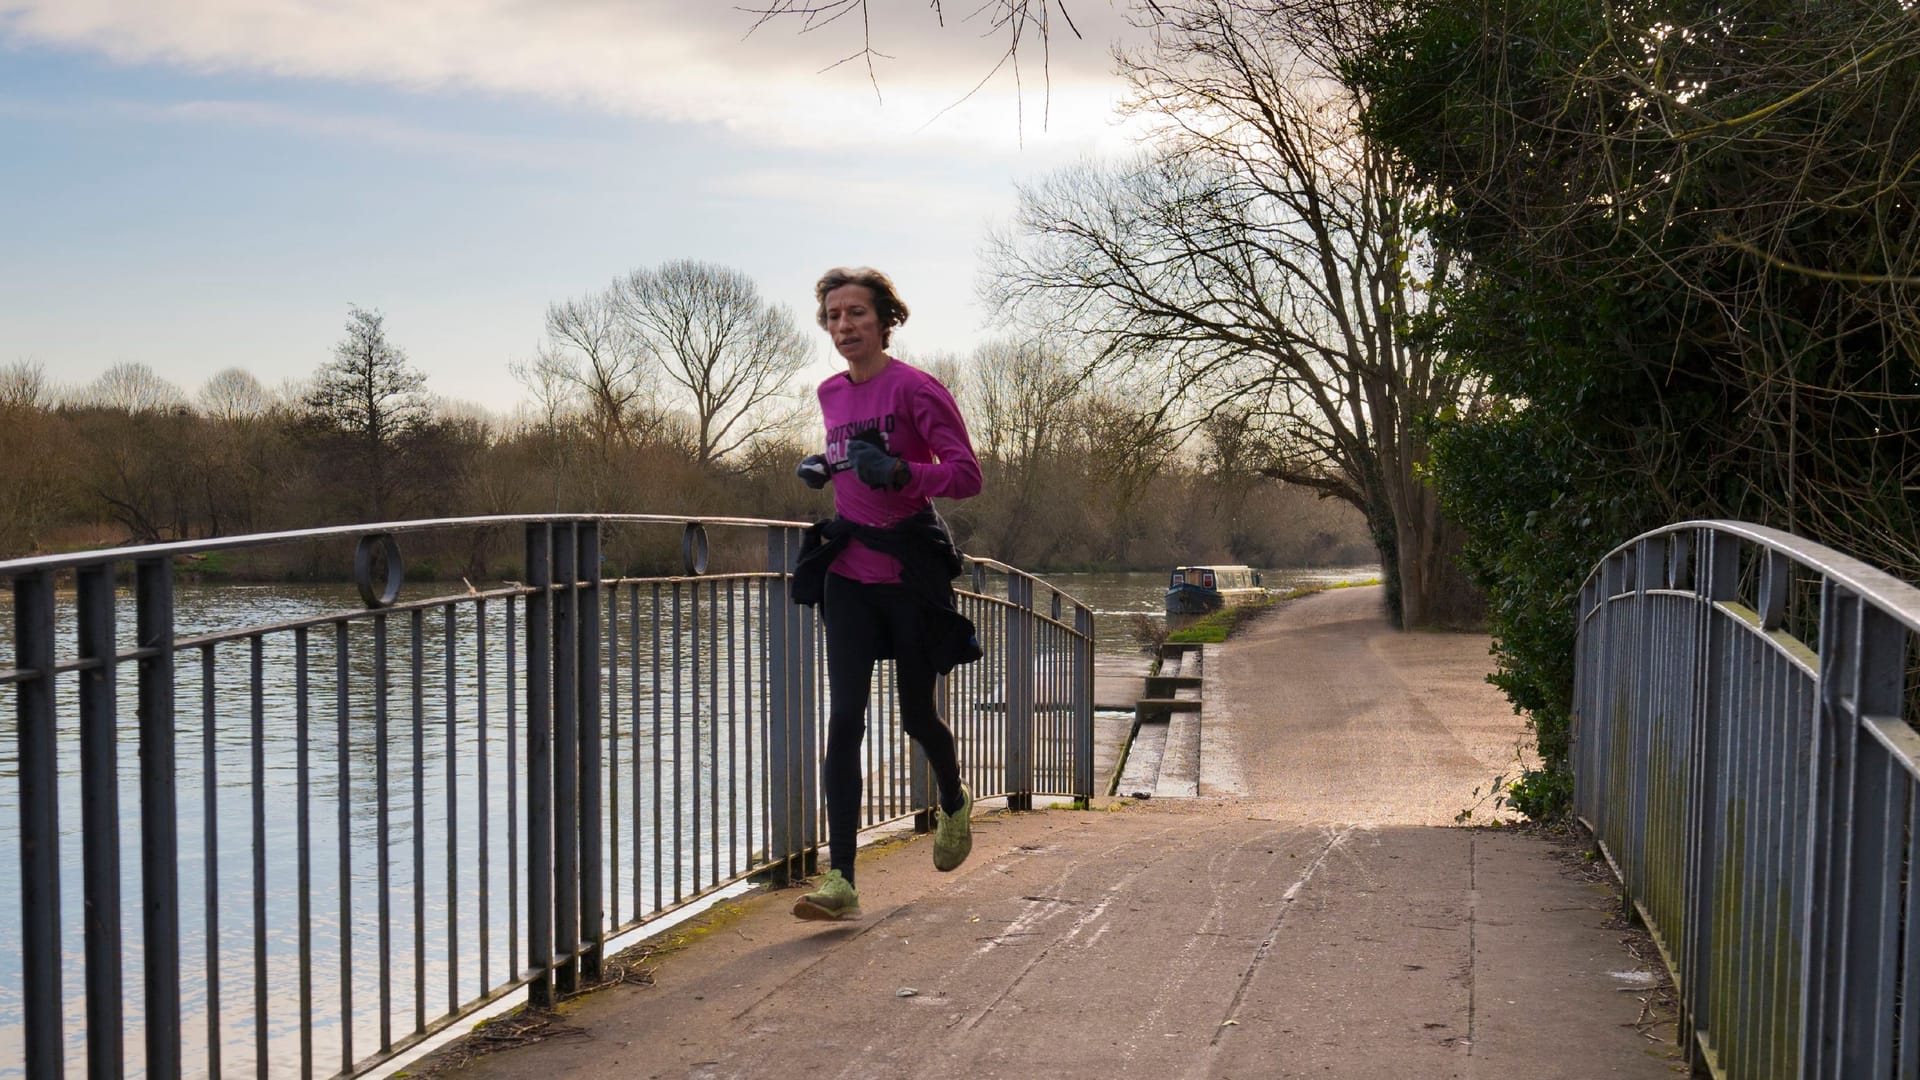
{"x": 159, "y": 816}
{"x": 1019, "y": 646}
{"x": 1857, "y": 860}
{"x": 787, "y": 688}
{"x": 100, "y": 819}
{"x": 1083, "y": 705}
{"x": 813, "y": 667}
{"x": 1716, "y": 578}
{"x": 539, "y": 654}
{"x": 33, "y": 630}
{"x": 592, "y": 919}
{"x": 566, "y": 758}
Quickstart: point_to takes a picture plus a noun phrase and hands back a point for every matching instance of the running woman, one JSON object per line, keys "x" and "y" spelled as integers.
{"x": 883, "y": 567}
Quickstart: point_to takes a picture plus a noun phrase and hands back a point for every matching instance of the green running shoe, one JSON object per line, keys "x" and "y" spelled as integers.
{"x": 953, "y": 833}
{"x": 836, "y": 898}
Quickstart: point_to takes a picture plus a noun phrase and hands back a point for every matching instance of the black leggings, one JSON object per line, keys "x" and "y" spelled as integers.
{"x": 863, "y": 622}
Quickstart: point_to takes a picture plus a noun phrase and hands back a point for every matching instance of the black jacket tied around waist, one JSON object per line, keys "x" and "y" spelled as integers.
{"x": 929, "y": 562}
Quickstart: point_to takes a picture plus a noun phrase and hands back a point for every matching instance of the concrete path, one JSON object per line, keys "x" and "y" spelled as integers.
{"x": 1302, "y": 917}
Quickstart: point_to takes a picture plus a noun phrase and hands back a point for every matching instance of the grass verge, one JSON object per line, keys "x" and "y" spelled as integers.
{"x": 1217, "y": 626}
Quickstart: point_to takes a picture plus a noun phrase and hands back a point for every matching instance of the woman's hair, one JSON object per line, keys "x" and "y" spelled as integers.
{"x": 887, "y": 305}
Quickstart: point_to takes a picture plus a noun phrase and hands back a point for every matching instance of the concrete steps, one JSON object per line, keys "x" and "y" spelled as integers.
{"x": 1163, "y": 759}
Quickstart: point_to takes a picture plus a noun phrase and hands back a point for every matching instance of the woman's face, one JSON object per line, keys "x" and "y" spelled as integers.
{"x": 853, "y": 323}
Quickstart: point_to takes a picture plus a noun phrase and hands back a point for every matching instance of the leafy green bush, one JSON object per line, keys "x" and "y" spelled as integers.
{"x": 1540, "y": 794}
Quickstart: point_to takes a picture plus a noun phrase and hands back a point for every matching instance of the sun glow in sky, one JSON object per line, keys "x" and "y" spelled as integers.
{"x": 203, "y": 184}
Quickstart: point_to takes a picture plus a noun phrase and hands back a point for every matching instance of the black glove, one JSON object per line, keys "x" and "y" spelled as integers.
{"x": 814, "y": 471}
{"x": 875, "y": 467}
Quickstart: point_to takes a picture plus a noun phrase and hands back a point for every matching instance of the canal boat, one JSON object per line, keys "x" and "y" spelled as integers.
{"x": 1196, "y": 590}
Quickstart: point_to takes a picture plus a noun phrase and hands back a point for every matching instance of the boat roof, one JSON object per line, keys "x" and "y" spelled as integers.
{"x": 1216, "y": 567}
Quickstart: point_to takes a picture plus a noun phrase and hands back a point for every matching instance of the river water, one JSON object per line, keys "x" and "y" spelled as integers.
{"x": 420, "y": 776}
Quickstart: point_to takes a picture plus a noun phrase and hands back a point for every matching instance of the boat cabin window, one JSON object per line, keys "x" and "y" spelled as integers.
{"x": 1206, "y": 579}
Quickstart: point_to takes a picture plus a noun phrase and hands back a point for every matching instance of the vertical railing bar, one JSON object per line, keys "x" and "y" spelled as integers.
{"x": 566, "y": 758}
{"x": 159, "y": 817}
{"x": 1705, "y": 786}
{"x": 633, "y": 747}
{"x": 383, "y": 820}
{"x": 713, "y": 726}
{"x": 679, "y": 760}
{"x": 33, "y": 650}
{"x": 1909, "y": 1030}
{"x": 1760, "y": 719}
{"x": 873, "y": 751}
{"x": 1728, "y": 916}
{"x": 1084, "y": 616}
{"x": 781, "y": 694}
{"x": 1792, "y": 769}
{"x": 1838, "y": 645}
{"x": 417, "y": 627}
{"x": 343, "y": 826}
{"x": 210, "y": 877}
{"x": 99, "y": 818}
{"x": 483, "y": 798}
{"x": 763, "y": 655}
{"x": 1869, "y": 942}
{"x": 303, "y": 827}
{"x": 258, "y": 710}
{"x": 810, "y": 729}
{"x": 613, "y": 755}
{"x": 1781, "y": 812}
{"x": 452, "y": 782}
{"x": 1718, "y": 568}
{"x": 1740, "y": 1037}
{"x": 593, "y": 926}
{"x": 659, "y": 869}
{"x": 694, "y": 764}
{"x": 733, "y": 720}
{"x": 514, "y": 966}
{"x": 539, "y": 778}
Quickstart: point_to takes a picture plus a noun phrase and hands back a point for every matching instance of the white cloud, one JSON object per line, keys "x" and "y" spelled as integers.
{"x": 660, "y": 59}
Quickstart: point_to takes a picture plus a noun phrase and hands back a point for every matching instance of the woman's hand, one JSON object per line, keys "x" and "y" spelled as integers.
{"x": 875, "y": 467}
{"x": 814, "y": 471}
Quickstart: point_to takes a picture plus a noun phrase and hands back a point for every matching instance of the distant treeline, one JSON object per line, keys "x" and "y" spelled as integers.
{"x": 1075, "y": 477}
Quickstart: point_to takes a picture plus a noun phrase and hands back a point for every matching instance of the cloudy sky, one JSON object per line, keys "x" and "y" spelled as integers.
{"x": 200, "y": 184}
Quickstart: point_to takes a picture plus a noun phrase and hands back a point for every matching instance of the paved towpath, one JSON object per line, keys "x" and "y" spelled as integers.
{"x": 1310, "y": 914}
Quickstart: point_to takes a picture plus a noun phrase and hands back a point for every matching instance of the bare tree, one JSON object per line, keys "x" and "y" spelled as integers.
{"x": 234, "y": 395}
{"x": 1019, "y": 24}
{"x": 593, "y": 360}
{"x": 1021, "y": 397}
{"x": 132, "y": 388}
{"x": 32, "y": 444}
{"x": 23, "y": 384}
{"x": 1268, "y": 256}
{"x": 726, "y": 354}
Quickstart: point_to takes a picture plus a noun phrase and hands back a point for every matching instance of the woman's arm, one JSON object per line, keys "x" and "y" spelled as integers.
{"x": 955, "y": 473}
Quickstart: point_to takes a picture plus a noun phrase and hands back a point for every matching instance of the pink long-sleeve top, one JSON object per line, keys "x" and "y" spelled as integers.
{"x": 918, "y": 421}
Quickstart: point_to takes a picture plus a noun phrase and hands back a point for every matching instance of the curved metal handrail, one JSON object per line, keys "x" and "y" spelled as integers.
{"x": 1899, "y": 599}
{"x": 1750, "y": 765}
{"x": 70, "y": 560}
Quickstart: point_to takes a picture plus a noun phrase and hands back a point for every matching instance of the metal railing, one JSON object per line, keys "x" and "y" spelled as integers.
{"x": 1745, "y": 753}
{"x": 330, "y": 829}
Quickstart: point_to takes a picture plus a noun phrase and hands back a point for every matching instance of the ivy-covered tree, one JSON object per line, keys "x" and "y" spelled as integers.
{"x": 1688, "y": 271}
